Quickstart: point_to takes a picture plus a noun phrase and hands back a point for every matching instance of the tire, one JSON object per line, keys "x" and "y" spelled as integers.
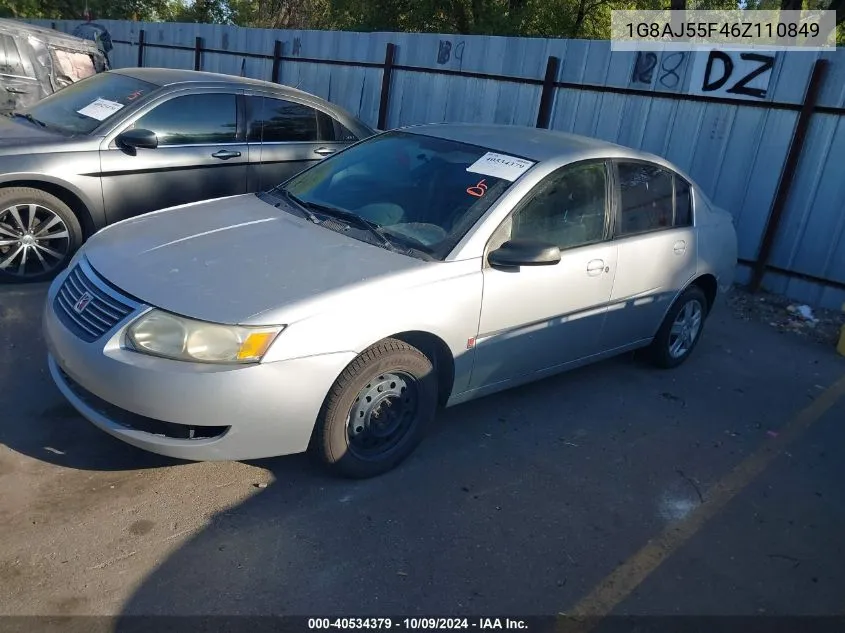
{"x": 378, "y": 373}
{"x": 665, "y": 352}
{"x": 27, "y": 255}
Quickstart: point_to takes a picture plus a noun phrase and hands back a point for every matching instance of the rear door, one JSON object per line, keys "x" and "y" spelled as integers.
{"x": 286, "y": 136}
{"x": 201, "y": 154}
{"x": 19, "y": 86}
{"x": 657, "y": 250}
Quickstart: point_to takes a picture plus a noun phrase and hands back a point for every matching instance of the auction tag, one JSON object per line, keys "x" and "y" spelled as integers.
{"x": 500, "y": 166}
{"x": 101, "y": 109}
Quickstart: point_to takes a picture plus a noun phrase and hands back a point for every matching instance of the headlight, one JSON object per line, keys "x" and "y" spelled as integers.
{"x": 163, "y": 334}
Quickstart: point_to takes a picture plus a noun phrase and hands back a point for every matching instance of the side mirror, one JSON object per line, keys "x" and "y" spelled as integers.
{"x": 524, "y": 253}
{"x": 137, "y": 139}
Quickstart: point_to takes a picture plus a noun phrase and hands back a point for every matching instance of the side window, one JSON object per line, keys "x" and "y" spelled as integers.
{"x": 195, "y": 119}
{"x": 10, "y": 57}
{"x": 568, "y": 209}
{"x": 341, "y": 133}
{"x": 683, "y": 202}
{"x": 279, "y": 121}
{"x": 73, "y": 65}
{"x": 646, "y": 198}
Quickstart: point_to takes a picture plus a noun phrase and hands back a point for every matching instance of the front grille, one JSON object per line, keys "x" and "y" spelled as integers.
{"x": 97, "y": 316}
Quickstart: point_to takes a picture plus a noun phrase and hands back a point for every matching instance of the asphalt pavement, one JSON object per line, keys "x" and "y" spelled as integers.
{"x": 715, "y": 488}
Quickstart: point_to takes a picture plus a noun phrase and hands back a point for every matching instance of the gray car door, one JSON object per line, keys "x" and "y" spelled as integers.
{"x": 657, "y": 250}
{"x": 19, "y": 86}
{"x": 286, "y": 136}
{"x": 539, "y": 317}
{"x": 201, "y": 154}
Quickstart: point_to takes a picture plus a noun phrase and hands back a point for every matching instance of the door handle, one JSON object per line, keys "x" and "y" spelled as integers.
{"x": 680, "y": 247}
{"x": 325, "y": 151}
{"x": 226, "y": 154}
{"x": 17, "y": 91}
{"x": 595, "y": 267}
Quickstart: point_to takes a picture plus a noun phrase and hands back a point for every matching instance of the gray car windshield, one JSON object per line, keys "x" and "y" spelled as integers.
{"x": 418, "y": 191}
{"x": 83, "y": 106}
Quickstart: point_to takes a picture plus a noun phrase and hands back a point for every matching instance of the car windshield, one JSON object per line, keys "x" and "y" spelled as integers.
{"x": 420, "y": 191}
{"x": 83, "y": 106}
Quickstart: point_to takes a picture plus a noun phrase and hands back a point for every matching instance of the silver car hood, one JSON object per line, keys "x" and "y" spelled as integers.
{"x": 233, "y": 258}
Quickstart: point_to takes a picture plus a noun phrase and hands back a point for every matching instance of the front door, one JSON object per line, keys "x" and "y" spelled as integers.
{"x": 657, "y": 251}
{"x": 537, "y": 318}
{"x": 200, "y": 155}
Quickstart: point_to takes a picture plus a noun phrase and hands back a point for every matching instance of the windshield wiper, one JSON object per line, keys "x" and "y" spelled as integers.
{"x": 300, "y": 204}
{"x": 29, "y": 118}
{"x": 346, "y": 216}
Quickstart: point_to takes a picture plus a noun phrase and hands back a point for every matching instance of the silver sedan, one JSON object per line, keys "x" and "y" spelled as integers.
{"x": 420, "y": 268}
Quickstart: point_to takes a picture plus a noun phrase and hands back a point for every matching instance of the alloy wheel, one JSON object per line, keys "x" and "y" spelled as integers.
{"x": 685, "y": 329}
{"x": 33, "y": 240}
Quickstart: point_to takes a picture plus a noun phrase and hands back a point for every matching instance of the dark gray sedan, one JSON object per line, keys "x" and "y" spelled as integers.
{"x": 130, "y": 141}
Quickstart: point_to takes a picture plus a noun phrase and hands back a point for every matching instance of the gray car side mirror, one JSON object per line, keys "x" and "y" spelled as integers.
{"x": 137, "y": 139}
{"x": 522, "y": 252}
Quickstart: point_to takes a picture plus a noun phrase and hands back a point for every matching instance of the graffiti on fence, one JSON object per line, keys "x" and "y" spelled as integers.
{"x": 665, "y": 75}
{"x": 644, "y": 68}
{"x": 445, "y": 52}
{"x": 737, "y": 75}
{"x": 670, "y": 76}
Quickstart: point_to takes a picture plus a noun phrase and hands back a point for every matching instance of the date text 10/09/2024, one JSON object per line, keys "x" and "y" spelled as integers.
{"x": 420, "y": 623}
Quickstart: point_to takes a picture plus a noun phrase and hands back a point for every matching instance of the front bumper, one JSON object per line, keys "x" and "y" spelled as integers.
{"x": 226, "y": 412}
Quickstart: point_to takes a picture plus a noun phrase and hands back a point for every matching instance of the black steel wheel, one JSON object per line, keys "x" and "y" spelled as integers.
{"x": 377, "y": 411}
{"x": 38, "y": 235}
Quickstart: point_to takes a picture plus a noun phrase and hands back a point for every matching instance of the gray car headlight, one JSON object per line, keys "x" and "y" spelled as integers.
{"x": 160, "y": 333}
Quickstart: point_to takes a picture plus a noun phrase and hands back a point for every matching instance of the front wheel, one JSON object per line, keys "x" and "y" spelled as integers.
{"x": 38, "y": 235}
{"x": 681, "y": 329}
{"x": 377, "y": 411}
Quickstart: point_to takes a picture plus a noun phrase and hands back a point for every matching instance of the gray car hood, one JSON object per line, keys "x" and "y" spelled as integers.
{"x": 229, "y": 259}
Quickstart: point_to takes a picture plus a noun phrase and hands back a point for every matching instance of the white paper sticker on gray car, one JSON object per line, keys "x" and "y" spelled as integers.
{"x": 101, "y": 109}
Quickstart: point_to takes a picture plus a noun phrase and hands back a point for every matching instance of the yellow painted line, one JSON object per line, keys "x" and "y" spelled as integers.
{"x": 589, "y": 611}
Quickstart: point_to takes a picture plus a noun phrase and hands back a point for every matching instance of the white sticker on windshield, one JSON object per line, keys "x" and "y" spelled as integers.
{"x": 101, "y": 109}
{"x": 500, "y": 166}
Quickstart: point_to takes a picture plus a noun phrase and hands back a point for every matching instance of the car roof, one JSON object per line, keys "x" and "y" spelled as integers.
{"x": 50, "y": 35}
{"x": 535, "y": 144}
{"x": 168, "y": 77}
{"x": 171, "y": 76}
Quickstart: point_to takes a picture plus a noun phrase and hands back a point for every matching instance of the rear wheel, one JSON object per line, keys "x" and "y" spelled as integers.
{"x": 38, "y": 235}
{"x": 681, "y": 329}
{"x": 377, "y": 411}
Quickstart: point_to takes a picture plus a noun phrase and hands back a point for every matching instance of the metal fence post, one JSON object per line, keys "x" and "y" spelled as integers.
{"x": 141, "y": 36}
{"x": 547, "y": 97}
{"x": 198, "y": 53}
{"x": 790, "y": 166}
{"x": 277, "y": 62}
{"x": 386, "y": 73}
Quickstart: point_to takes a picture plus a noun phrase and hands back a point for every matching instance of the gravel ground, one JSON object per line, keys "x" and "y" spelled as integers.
{"x": 781, "y": 313}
